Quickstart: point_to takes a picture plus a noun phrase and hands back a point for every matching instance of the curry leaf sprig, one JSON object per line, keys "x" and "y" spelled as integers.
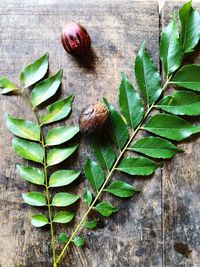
{"x": 31, "y": 144}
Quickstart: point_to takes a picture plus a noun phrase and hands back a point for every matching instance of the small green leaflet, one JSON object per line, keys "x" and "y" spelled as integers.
{"x": 28, "y": 150}
{"x": 46, "y": 89}
{"x": 58, "y": 110}
{"x": 188, "y": 77}
{"x": 147, "y": 77}
{"x": 22, "y": 128}
{"x": 121, "y": 189}
{"x": 170, "y": 48}
{"x": 181, "y": 103}
{"x": 171, "y": 127}
{"x": 63, "y": 177}
{"x": 63, "y": 217}
{"x": 155, "y": 147}
{"x": 64, "y": 199}
{"x": 91, "y": 224}
{"x": 103, "y": 152}
{"x": 31, "y": 174}
{"x": 87, "y": 197}
{"x": 34, "y": 199}
{"x": 94, "y": 174}
{"x": 63, "y": 238}
{"x": 78, "y": 241}
{"x": 6, "y": 86}
{"x": 59, "y": 135}
{"x": 117, "y": 128}
{"x": 105, "y": 208}
{"x": 190, "y": 27}
{"x": 39, "y": 220}
{"x": 35, "y": 71}
{"x": 138, "y": 166}
{"x": 57, "y": 155}
{"x": 130, "y": 103}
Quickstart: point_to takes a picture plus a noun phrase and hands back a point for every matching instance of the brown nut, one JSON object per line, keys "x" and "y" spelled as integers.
{"x": 93, "y": 117}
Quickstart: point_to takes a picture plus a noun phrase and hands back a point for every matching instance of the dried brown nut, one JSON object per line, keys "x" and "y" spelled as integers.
{"x": 93, "y": 117}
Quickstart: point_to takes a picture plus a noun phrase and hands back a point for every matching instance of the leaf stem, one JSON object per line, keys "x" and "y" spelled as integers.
{"x": 45, "y": 175}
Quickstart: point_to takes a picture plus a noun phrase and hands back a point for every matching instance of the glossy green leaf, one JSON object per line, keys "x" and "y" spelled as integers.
{"x": 34, "y": 199}
{"x": 121, "y": 189}
{"x": 105, "y": 208}
{"x": 188, "y": 77}
{"x": 31, "y": 174}
{"x": 58, "y": 110}
{"x": 59, "y": 135}
{"x": 91, "y": 224}
{"x": 181, "y": 103}
{"x": 23, "y": 128}
{"x": 171, "y": 127}
{"x": 103, "y": 152}
{"x": 138, "y": 166}
{"x": 87, "y": 197}
{"x": 63, "y": 238}
{"x": 63, "y": 217}
{"x": 57, "y": 155}
{"x": 63, "y": 177}
{"x": 155, "y": 147}
{"x": 64, "y": 199}
{"x": 130, "y": 103}
{"x": 94, "y": 174}
{"x": 170, "y": 48}
{"x": 78, "y": 241}
{"x": 35, "y": 71}
{"x": 190, "y": 27}
{"x": 39, "y": 220}
{"x": 46, "y": 89}
{"x": 6, "y": 86}
{"x": 117, "y": 128}
{"x": 28, "y": 150}
{"x": 148, "y": 77}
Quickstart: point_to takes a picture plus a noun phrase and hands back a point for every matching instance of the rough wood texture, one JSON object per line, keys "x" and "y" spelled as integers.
{"x": 140, "y": 234}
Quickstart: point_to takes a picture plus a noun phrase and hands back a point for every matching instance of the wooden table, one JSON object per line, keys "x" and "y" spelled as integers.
{"x": 158, "y": 227}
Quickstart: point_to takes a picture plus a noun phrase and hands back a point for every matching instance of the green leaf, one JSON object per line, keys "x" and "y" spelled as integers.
{"x": 117, "y": 128}
{"x": 94, "y": 174}
{"x": 181, "y": 103}
{"x": 105, "y": 208}
{"x": 39, "y": 220}
{"x": 78, "y": 241}
{"x": 34, "y": 199}
{"x": 31, "y": 174}
{"x": 60, "y": 135}
{"x": 28, "y": 150}
{"x": 87, "y": 197}
{"x": 138, "y": 166}
{"x": 171, "y": 127}
{"x": 103, "y": 152}
{"x": 63, "y": 238}
{"x": 64, "y": 199}
{"x": 22, "y": 128}
{"x": 148, "y": 78}
{"x": 190, "y": 27}
{"x": 170, "y": 48}
{"x": 63, "y": 177}
{"x": 155, "y": 147}
{"x": 46, "y": 89}
{"x": 130, "y": 103}
{"x": 35, "y": 71}
{"x": 6, "y": 86}
{"x": 58, "y": 155}
{"x": 188, "y": 77}
{"x": 58, "y": 110}
{"x": 121, "y": 189}
{"x": 63, "y": 217}
{"x": 91, "y": 224}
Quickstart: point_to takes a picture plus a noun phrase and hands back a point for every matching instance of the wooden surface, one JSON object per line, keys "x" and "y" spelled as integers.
{"x": 159, "y": 226}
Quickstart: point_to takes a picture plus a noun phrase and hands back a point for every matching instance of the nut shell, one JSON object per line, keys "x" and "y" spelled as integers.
{"x": 93, "y": 118}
